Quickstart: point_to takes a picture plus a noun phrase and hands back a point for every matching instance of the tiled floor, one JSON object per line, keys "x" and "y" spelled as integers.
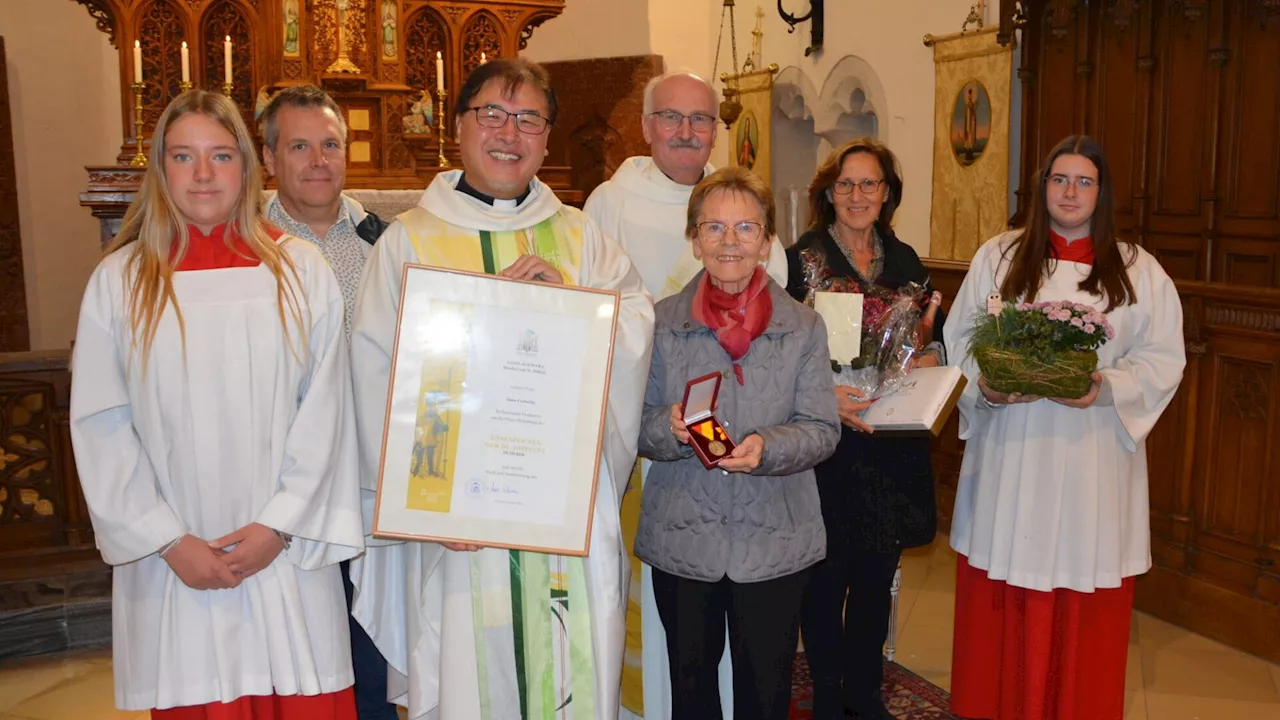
{"x": 1173, "y": 674}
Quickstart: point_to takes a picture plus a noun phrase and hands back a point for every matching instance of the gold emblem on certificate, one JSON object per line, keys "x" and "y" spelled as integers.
{"x": 716, "y": 447}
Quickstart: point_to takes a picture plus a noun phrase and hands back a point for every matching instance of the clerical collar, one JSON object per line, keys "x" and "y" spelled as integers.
{"x": 465, "y": 188}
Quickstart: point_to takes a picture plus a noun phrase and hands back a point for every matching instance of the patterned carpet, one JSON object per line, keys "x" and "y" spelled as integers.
{"x": 908, "y": 696}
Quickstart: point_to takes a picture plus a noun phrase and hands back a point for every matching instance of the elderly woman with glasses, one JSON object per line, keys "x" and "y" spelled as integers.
{"x": 733, "y": 543}
{"x": 877, "y": 492}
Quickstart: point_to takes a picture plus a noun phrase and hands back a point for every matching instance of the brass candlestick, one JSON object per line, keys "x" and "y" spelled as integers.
{"x": 226, "y": 89}
{"x": 441, "y": 161}
{"x": 139, "y": 158}
{"x": 184, "y": 86}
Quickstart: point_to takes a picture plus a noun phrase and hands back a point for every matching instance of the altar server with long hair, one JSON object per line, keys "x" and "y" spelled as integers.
{"x": 1050, "y": 518}
{"x": 213, "y": 431}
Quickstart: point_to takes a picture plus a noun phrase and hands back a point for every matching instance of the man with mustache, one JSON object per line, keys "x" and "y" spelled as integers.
{"x": 643, "y": 207}
{"x": 305, "y": 149}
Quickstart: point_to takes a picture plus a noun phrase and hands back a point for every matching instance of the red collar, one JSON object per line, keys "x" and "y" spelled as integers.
{"x": 1079, "y": 250}
{"x": 215, "y": 251}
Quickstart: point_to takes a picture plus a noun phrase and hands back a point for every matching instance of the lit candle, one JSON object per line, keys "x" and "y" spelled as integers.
{"x": 483, "y": 59}
{"x": 137, "y": 61}
{"x": 226, "y": 60}
{"x": 186, "y": 63}
{"x": 439, "y": 72}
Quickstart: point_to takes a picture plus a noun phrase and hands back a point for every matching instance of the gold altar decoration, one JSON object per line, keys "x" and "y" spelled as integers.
{"x": 375, "y": 57}
{"x": 972, "y": 99}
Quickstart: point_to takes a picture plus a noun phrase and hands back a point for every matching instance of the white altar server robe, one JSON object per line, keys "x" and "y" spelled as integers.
{"x": 1052, "y": 496}
{"x": 236, "y": 430}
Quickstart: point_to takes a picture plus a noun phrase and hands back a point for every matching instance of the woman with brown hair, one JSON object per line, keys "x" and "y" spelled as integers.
{"x": 877, "y": 492}
{"x": 733, "y": 542}
{"x": 213, "y": 432}
{"x": 1051, "y": 514}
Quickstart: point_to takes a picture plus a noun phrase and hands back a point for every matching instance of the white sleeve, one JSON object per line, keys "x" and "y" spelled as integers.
{"x": 776, "y": 265}
{"x": 131, "y": 518}
{"x": 1143, "y": 381}
{"x": 373, "y": 337}
{"x": 607, "y": 266}
{"x": 970, "y": 300}
{"x": 319, "y": 497}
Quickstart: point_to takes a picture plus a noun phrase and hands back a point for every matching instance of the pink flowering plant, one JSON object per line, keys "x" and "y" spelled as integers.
{"x": 1046, "y": 348}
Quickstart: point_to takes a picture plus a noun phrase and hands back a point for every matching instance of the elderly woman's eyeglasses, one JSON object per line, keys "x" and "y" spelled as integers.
{"x": 868, "y": 186}
{"x": 670, "y": 120}
{"x": 716, "y": 231}
{"x": 492, "y": 116}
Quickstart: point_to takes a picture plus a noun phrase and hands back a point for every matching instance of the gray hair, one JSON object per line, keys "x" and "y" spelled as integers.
{"x": 298, "y": 96}
{"x": 653, "y": 84}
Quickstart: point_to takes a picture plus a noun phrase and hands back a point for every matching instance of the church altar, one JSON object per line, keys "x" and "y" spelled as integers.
{"x": 387, "y": 63}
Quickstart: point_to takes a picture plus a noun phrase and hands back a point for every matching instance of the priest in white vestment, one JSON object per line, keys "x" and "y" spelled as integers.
{"x": 1051, "y": 513}
{"x": 448, "y": 618}
{"x": 644, "y": 207}
{"x": 215, "y": 440}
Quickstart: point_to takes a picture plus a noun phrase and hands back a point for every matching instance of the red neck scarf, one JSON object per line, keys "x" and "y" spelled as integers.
{"x": 736, "y": 319}
{"x": 216, "y": 250}
{"x": 1080, "y": 250}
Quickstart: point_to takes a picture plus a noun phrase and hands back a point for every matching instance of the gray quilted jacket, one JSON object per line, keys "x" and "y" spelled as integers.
{"x": 705, "y": 524}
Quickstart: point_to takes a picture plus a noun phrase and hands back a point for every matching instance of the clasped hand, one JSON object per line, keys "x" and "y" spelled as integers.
{"x": 532, "y": 267}
{"x": 210, "y": 566}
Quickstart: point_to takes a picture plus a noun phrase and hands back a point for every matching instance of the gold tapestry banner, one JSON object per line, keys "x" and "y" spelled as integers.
{"x": 749, "y": 136}
{"x": 970, "y": 142}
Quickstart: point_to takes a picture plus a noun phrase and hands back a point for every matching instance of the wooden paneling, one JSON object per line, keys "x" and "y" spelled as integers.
{"x": 13, "y": 296}
{"x": 1185, "y": 98}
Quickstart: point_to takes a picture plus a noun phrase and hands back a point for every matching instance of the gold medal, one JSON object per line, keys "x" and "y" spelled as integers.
{"x": 716, "y": 447}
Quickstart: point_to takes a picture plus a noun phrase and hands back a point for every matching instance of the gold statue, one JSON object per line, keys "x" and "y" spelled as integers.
{"x": 343, "y": 64}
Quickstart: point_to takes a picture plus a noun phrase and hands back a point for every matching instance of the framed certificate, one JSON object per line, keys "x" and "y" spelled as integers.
{"x": 495, "y": 412}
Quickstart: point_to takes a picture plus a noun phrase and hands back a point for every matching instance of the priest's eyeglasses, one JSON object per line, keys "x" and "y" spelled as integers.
{"x": 492, "y": 116}
{"x": 671, "y": 120}
{"x": 716, "y": 231}
{"x": 868, "y": 186}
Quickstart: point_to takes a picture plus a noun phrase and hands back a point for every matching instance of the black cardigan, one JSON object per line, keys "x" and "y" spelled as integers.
{"x": 877, "y": 492}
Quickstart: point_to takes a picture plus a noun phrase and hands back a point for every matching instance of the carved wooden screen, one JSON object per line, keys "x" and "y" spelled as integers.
{"x": 221, "y": 20}
{"x": 425, "y": 36}
{"x": 13, "y": 295}
{"x": 160, "y": 30}
{"x": 481, "y": 34}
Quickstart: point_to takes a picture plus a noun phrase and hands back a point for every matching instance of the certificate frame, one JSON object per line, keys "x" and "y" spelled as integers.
{"x": 470, "y": 440}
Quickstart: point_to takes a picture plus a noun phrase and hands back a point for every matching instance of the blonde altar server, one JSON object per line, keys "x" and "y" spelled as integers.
{"x": 1051, "y": 515}
{"x": 462, "y": 641}
{"x": 644, "y": 207}
{"x": 213, "y": 430}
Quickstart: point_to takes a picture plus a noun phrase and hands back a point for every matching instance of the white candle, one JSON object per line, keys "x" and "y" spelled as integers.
{"x": 137, "y": 61}
{"x": 439, "y": 72}
{"x": 226, "y": 60}
{"x": 186, "y": 63}
{"x": 483, "y": 59}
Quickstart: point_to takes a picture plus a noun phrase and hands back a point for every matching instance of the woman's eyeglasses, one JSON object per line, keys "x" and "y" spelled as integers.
{"x": 716, "y": 231}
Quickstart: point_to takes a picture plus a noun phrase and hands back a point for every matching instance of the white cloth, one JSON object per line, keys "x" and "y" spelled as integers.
{"x": 646, "y": 212}
{"x": 415, "y": 599}
{"x": 236, "y": 430}
{"x": 1052, "y": 496}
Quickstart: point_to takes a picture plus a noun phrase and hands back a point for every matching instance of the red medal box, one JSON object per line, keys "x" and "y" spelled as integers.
{"x": 706, "y": 434}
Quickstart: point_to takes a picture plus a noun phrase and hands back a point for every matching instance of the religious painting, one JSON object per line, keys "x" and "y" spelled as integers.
{"x": 973, "y": 76}
{"x": 292, "y": 32}
{"x": 388, "y": 28}
{"x": 748, "y": 141}
{"x": 970, "y": 123}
